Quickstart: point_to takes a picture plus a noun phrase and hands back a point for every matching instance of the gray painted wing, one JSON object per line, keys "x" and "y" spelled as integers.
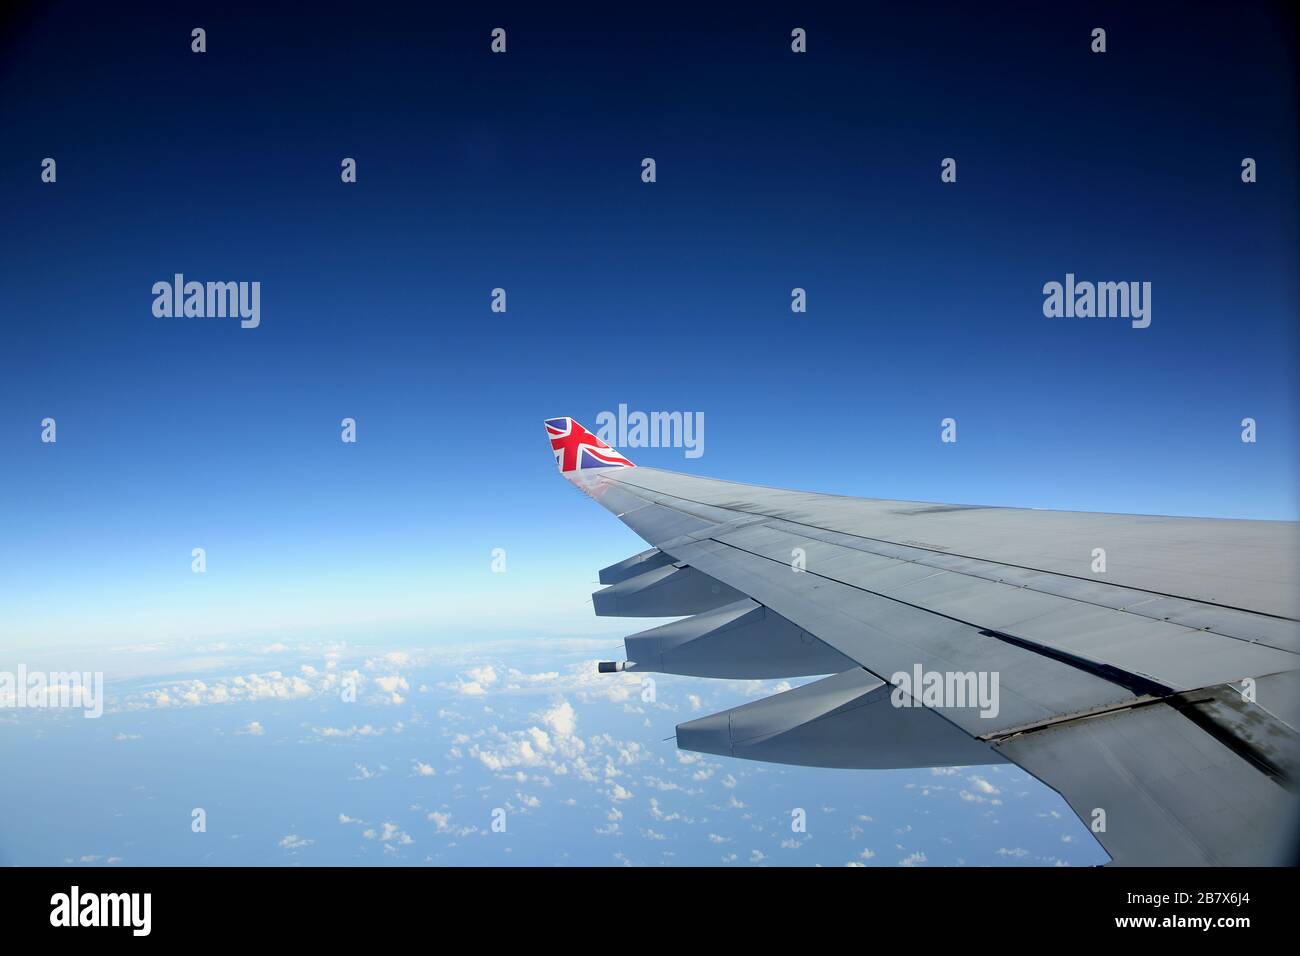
{"x": 1134, "y": 692}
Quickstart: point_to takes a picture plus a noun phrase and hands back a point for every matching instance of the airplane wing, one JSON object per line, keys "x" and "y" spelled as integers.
{"x": 1147, "y": 668}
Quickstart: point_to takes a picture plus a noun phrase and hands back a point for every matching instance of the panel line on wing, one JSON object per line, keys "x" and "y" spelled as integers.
{"x": 1136, "y": 683}
{"x": 657, "y": 496}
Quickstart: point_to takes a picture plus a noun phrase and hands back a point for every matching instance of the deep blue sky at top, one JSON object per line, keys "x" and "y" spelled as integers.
{"x": 523, "y": 171}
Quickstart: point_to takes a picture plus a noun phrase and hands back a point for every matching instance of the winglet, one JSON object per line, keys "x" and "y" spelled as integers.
{"x": 577, "y": 449}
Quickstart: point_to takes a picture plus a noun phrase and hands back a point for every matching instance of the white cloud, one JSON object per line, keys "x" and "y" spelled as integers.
{"x": 391, "y": 684}
{"x": 353, "y": 731}
{"x": 561, "y": 718}
{"x": 390, "y": 835}
{"x": 270, "y": 685}
{"x": 618, "y": 792}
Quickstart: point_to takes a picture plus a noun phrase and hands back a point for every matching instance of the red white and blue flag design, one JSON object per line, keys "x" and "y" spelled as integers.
{"x": 577, "y": 449}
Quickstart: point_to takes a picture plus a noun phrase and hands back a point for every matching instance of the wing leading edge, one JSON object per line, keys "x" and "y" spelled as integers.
{"x": 1159, "y": 699}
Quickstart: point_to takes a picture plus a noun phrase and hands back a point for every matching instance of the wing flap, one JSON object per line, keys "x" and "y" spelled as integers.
{"x": 1160, "y": 787}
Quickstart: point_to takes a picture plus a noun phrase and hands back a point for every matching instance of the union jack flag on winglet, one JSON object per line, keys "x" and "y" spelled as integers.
{"x": 577, "y": 449}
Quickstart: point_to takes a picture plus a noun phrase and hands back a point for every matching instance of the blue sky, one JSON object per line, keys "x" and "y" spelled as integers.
{"x": 522, "y": 171}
